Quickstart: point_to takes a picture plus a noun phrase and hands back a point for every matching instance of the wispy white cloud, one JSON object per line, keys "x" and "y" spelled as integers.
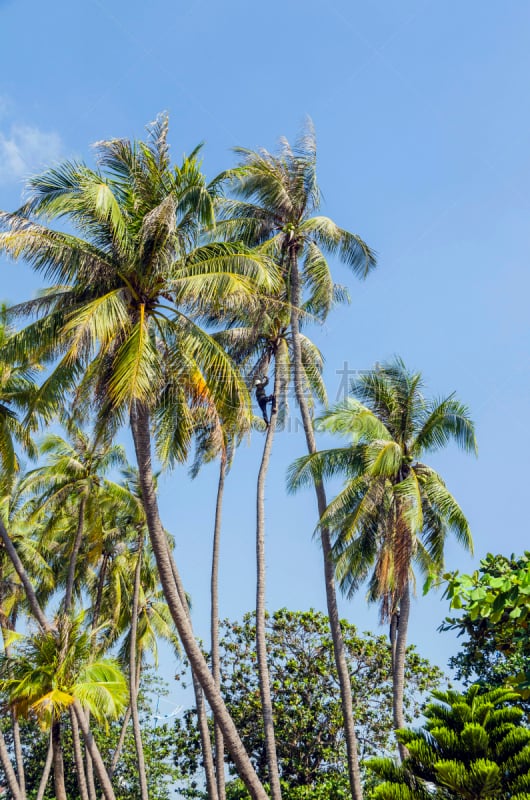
{"x": 25, "y": 149}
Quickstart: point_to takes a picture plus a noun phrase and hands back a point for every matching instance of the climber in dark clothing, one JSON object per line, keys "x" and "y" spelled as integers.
{"x": 262, "y": 398}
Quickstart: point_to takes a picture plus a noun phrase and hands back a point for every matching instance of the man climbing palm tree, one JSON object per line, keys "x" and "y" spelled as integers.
{"x": 263, "y": 399}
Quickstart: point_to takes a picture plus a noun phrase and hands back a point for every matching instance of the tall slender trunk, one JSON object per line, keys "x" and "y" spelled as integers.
{"x": 58, "y": 763}
{"x": 200, "y": 705}
{"x": 202, "y": 718}
{"x": 78, "y": 757}
{"x": 101, "y": 772}
{"x": 74, "y": 554}
{"x": 399, "y": 652}
{"x": 261, "y": 642}
{"x": 11, "y": 777}
{"x": 91, "y": 784}
{"x": 121, "y": 740}
{"x": 352, "y": 746}
{"x": 47, "y": 769}
{"x": 18, "y": 751}
{"x": 214, "y": 626}
{"x": 17, "y": 743}
{"x": 132, "y": 672}
{"x": 99, "y": 593}
{"x": 140, "y": 426}
{"x": 34, "y": 604}
{"x": 8, "y": 626}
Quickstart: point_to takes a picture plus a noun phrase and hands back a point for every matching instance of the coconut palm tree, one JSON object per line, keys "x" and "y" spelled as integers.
{"x": 50, "y": 672}
{"x": 122, "y": 320}
{"x": 276, "y": 205}
{"x": 216, "y": 438}
{"x": 263, "y": 341}
{"x": 12, "y": 597}
{"x": 394, "y": 511}
{"x": 17, "y": 393}
{"x": 69, "y": 488}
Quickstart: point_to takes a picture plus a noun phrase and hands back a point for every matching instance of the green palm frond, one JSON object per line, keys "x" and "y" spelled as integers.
{"x": 348, "y": 246}
{"x": 444, "y": 421}
{"x": 352, "y": 418}
{"x": 136, "y": 368}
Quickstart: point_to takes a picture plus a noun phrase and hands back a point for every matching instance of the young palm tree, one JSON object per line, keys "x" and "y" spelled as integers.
{"x": 70, "y": 487}
{"x": 394, "y": 510}
{"x": 277, "y": 203}
{"x": 17, "y": 392}
{"x": 49, "y": 673}
{"x": 13, "y": 605}
{"x": 123, "y": 318}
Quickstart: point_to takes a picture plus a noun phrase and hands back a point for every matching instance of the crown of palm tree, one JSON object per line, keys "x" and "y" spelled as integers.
{"x": 46, "y": 672}
{"x": 123, "y": 318}
{"x": 394, "y": 509}
{"x": 276, "y": 205}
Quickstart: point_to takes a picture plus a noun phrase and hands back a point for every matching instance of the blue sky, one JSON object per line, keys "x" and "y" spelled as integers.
{"x": 422, "y": 116}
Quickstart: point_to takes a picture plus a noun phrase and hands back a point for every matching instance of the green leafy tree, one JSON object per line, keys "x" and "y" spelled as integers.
{"x": 394, "y": 511}
{"x": 494, "y": 621}
{"x": 306, "y": 700}
{"x": 123, "y": 321}
{"x": 471, "y": 747}
{"x": 276, "y": 205}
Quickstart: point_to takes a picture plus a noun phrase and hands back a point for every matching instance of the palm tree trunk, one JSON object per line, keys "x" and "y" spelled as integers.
{"x": 202, "y": 719}
{"x": 47, "y": 769}
{"x": 121, "y": 740}
{"x": 26, "y": 582}
{"x": 206, "y": 743}
{"x": 399, "y": 652}
{"x": 261, "y": 642}
{"x": 214, "y": 625}
{"x": 74, "y": 554}
{"x": 99, "y": 594}
{"x": 11, "y": 777}
{"x": 58, "y": 763}
{"x": 101, "y": 772}
{"x": 132, "y": 673}
{"x": 19, "y": 759}
{"x": 352, "y": 746}
{"x": 140, "y": 426}
{"x": 91, "y": 784}
{"x": 78, "y": 757}
{"x": 18, "y": 750}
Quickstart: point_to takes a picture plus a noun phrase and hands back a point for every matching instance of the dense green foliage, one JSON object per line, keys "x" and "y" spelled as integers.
{"x": 494, "y": 622}
{"x": 306, "y": 697}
